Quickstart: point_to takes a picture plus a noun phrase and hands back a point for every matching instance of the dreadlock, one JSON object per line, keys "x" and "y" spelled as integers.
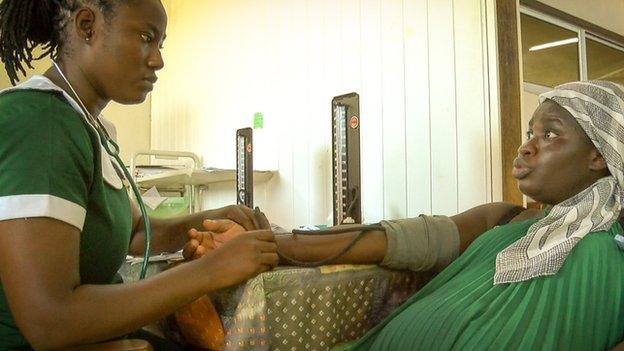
{"x": 27, "y": 24}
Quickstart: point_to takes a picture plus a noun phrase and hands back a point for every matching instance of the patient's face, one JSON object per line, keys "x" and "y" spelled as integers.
{"x": 554, "y": 162}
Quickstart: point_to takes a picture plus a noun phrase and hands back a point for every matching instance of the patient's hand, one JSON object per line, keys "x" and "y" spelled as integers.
{"x": 216, "y": 233}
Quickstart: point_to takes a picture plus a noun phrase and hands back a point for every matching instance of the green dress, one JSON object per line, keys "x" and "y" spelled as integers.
{"x": 579, "y": 308}
{"x": 51, "y": 166}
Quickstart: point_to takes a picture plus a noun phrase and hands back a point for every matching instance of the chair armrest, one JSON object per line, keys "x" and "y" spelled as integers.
{"x": 118, "y": 345}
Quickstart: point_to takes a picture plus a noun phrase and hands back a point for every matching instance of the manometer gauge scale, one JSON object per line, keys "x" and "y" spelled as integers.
{"x": 244, "y": 167}
{"x": 346, "y": 159}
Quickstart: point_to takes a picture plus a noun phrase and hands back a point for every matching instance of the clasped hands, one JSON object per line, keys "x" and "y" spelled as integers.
{"x": 238, "y": 221}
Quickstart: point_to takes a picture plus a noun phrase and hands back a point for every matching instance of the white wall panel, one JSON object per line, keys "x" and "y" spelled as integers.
{"x": 419, "y": 67}
{"x": 471, "y": 110}
{"x": 371, "y": 135}
{"x": 492, "y": 100}
{"x": 317, "y": 106}
{"x": 296, "y": 95}
{"x": 417, "y": 125}
{"x": 393, "y": 109}
{"x": 443, "y": 112}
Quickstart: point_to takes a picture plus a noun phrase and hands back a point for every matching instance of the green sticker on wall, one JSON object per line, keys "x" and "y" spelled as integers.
{"x": 258, "y": 120}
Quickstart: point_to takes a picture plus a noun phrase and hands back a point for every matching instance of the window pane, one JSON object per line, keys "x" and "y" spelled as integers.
{"x": 549, "y": 53}
{"x": 604, "y": 62}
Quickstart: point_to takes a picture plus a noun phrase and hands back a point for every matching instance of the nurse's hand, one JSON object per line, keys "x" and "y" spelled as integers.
{"x": 242, "y": 215}
{"x": 242, "y": 257}
{"x": 215, "y": 234}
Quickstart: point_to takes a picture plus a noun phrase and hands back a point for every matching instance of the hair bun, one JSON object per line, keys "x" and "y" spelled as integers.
{"x": 24, "y": 25}
{"x": 43, "y": 15}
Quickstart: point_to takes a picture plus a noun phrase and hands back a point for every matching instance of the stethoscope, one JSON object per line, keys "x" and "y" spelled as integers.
{"x": 112, "y": 149}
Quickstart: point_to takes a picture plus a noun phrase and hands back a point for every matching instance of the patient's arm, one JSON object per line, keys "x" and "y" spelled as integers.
{"x": 478, "y": 220}
{"x": 307, "y": 248}
{"x": 372, "y": 247}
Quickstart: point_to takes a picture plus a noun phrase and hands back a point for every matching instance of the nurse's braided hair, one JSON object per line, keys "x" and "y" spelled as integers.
{"x": 26, "y": 24}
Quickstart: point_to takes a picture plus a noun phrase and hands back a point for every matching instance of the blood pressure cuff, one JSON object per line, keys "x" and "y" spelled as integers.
{"x": 421, "y": 243}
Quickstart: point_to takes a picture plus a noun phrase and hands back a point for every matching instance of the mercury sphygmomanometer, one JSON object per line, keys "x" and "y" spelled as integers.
{"x": 346, "y": 159}
{"x": 244, "y": 167}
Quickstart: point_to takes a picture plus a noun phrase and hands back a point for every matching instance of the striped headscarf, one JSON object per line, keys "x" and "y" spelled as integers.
{"x": 598, "y": 107}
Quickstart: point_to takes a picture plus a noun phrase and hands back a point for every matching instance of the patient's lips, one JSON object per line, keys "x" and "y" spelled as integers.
{"x": 149, "y": 82}
{"x": 520, "y": 169}
{"x": 151, "y": 79}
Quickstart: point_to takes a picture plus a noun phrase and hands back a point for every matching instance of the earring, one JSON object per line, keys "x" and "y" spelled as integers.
{"x": 88, "y": 38}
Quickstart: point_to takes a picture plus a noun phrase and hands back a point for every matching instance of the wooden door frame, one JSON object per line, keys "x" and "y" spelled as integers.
{"x": 509, "y": 86}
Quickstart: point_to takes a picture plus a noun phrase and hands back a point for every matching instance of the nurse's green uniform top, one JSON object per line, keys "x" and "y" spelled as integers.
{"x": 52, "y": 165}
{"x": 579, "y": 308}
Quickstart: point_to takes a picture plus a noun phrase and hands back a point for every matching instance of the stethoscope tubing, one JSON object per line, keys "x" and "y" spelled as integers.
{"x": 106, "y": 141}
{"x": 137, "y": 195}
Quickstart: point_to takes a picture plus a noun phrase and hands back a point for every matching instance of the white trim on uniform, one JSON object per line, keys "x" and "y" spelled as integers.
{"x": 42, "y": 205}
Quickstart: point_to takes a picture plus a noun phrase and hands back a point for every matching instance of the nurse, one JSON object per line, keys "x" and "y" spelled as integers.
{"x": 66, "y": 222}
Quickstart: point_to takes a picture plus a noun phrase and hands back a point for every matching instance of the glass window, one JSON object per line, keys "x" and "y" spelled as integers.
{"x": 604, "y": 62}
{"x": 550, "y": 53}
